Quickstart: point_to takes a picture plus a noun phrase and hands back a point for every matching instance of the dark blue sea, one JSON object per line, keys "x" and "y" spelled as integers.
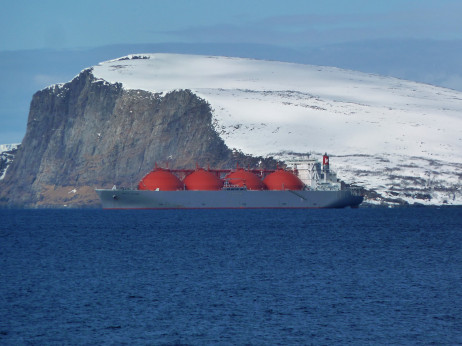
{"x": 231, "y": 277}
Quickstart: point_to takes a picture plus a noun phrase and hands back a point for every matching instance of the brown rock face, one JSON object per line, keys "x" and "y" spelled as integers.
{"x": 88, "y": 134}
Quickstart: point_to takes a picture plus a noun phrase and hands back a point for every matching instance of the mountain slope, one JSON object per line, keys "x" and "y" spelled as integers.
{"x": 89, "y": 133}
{"x": 400, "y": 138}
{"x": 7, "y": 152}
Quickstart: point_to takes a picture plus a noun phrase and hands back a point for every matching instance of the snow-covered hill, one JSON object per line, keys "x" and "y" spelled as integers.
{"x": 8, "y": 147}
{"x": 400, "y": 138}
{"x": 6, "y": 157}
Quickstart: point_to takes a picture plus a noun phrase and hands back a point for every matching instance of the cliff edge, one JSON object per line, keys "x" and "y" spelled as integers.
{"x": 89, "y": 134}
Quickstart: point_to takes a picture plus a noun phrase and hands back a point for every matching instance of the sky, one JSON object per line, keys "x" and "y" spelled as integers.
{"x": 55, "y": 24}
{"x": 300, "y": 31}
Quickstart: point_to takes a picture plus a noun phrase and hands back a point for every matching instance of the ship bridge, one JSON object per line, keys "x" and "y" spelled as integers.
{"x": 314, "y": 175}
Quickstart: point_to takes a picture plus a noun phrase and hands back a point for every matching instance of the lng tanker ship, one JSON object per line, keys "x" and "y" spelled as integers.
{"x": 307, "y": 185}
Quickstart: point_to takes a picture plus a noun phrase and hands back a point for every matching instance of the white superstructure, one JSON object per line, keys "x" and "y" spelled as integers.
{"x": 313, "y": 175}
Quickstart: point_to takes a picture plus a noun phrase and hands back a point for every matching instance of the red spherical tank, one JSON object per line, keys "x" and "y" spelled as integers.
{"x": 283, "y": 180}
{"x": 202, "y": 180}
{"x": 161, "y": 179}
{"x": 245, "y": 178}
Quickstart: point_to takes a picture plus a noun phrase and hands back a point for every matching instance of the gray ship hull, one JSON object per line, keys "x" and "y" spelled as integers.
{"x": 226, "y": 199}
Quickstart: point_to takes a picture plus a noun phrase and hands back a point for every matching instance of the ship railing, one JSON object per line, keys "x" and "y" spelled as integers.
{"x": 228, "y": 186}
{"x": 122, "y": 188}
{"x": 327, "y": 187}
{"x": 234, "y": 188}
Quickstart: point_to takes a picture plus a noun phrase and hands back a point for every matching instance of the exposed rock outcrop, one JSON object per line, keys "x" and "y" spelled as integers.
{"x": 89, "y": 133}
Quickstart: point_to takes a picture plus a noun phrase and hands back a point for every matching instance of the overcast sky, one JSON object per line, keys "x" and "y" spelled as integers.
{"x": 46, "y": 42}
{"x": 61, "y": 24}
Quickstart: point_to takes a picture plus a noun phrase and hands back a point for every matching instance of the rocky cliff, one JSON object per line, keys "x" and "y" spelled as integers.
{"x": 89, "y": 133}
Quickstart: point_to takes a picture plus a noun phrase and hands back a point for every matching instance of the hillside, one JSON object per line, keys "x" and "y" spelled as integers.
{"x": 7, "y": 152}
{"x": 88, "y": 133}
{"x": 111, "y": 123}
{"x": 400, "y": 138}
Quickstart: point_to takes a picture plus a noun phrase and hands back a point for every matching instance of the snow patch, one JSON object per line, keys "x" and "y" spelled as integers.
{"x": 6, "y": 157}
{"x": 8, "y": 147}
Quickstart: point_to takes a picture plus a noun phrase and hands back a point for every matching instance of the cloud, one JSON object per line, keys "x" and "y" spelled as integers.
{"x": 415, "y": 21}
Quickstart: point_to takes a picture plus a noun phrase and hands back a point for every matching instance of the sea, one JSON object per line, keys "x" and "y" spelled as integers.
{"x": 367, "y": 276}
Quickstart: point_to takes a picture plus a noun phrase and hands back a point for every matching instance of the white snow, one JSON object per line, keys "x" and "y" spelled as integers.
{"x": 264, "y": 107}
{"x": 6, "y": 158}
{"x": 3, "y": 174}
{"x": 8, "y": 147}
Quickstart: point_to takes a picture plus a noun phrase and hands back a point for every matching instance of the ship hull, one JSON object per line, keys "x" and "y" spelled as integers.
{"x": 227, "y": 199}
